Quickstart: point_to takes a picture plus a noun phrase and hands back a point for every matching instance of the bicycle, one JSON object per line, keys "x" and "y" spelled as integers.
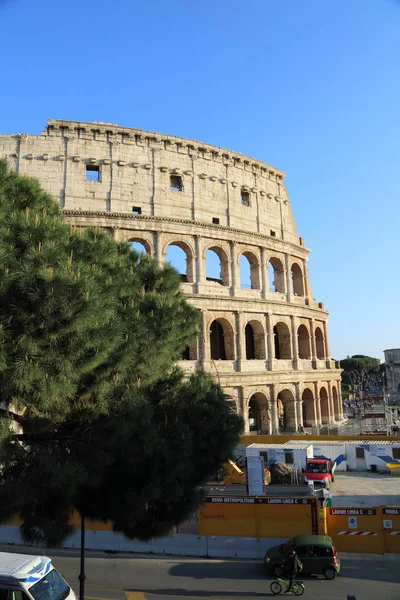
{"x": 277, "y": 586}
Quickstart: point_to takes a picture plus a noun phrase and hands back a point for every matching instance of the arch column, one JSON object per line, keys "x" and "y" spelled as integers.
{"x": 233, "y": 268}
{"x": 157, "y": 244}
{"x": 307, "y": 291}
{"x": 288, "y": 279}
{"x": 266, "y": 344}
{"x": 274, "y": 409}
{"x": 239, "y": 339}
{"x": 199, "y": 263}
{"x": 340, "y": 401}
{"x": 315, "y": 413}
{"x": 270, "y": 341}
{"x": 299, "y": 405}
{"x": 331, "y": 403}
{"x": 204, "y": 340}
{"x": 264, "y": 274}
{"x": 295, "y": 342}
{"x": 318, "y": 421}
{"x": 313, "y": 344}
{"x": 243, "y": 409}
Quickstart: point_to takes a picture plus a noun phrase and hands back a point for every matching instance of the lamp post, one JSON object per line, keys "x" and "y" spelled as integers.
{"x": 82, "y": 574}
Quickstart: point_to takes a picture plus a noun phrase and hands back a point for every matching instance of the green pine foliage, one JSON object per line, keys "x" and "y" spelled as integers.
{"x": 90, "y": 333}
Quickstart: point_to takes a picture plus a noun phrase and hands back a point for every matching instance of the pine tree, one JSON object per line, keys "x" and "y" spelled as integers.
{"x": 90, "y": 333}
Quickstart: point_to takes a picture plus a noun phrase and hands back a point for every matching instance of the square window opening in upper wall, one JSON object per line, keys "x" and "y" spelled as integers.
{"x": 245, "y": 198}
{"x": 175, "y": 183}
{"x": 215, "y": 220}
{"x": 272, "y": 233}
{"x": 93, "y": 173}
{"x": 136, "y": 210}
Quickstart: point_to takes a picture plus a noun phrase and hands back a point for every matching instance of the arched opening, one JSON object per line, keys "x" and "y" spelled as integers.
{"x": 303, "y": 338}
{"x": 245, "y": 272}
{"x": 179, "y": 256}
{"x": 250, "y": 343}
{"x": 249, "y": 271}
{"x": 140, "y": 246}
{"x": 255, "y": 341}
{"x": 276, "y": 276}
{"x": 282, "y": 344}
{"x": 259, "y": 419}
{"x": 217, "y": 266}
{"x": 221, "y": 340}
{"x": 324, "y": 403}
{"x": 336, "y": 403}
{"x": 309, "y": 416}
{"x": 319, "y": 343}
{"x": 297, "y": 280}
{"x": 286, "y": 412}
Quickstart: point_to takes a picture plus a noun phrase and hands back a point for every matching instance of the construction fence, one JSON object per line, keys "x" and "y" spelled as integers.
{"x": 246, "y": 526}
{"x": 361, "y": 530}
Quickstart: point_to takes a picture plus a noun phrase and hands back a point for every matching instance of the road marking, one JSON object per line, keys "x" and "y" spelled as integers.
{"x": 97, "y": 598}
{"x": 135, "y": 596}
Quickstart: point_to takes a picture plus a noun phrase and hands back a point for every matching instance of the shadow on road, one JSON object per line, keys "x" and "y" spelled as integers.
{"x": 210, "y": 569}
{"x": 205, "y": 593}
{"x": 384, "y": 570}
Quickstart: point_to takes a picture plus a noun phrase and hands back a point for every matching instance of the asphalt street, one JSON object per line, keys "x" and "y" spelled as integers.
{"x": 133, "y": 577}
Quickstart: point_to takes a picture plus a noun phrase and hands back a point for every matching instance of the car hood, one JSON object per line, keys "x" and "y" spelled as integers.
{"x": 316, "y": 476}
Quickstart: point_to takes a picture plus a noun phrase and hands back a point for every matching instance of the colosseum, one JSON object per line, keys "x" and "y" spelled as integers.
{"x": 264, "y": 339}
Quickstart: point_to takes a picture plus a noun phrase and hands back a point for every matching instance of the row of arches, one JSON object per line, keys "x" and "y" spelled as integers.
{"x": 291, "y": 415}
{"x": 221, "y": 335}
{"x": 180, "y": 255}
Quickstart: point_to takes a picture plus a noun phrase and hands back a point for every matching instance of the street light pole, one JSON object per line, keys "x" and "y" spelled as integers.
{"x": 82, "y": 574}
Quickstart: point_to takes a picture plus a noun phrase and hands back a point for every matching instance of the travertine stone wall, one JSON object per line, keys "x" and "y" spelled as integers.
{"x": 267, "y": 348}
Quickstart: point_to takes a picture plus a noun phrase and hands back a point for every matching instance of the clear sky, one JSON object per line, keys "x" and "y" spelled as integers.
{"x": 309, "y": 86}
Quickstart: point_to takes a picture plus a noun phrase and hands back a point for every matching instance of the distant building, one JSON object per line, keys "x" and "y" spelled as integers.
{"x": 392, "y": 369}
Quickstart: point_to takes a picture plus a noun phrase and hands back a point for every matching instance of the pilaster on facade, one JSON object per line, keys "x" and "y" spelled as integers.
{"x": 274, "y": 409}
{"x": 313, "y": 344}
{"x": 295, "y": 344}
{"x": 270, "y": 340}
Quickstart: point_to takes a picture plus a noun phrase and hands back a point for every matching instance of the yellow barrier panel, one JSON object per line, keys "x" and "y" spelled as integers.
{"x": 391, "y": 528}
{"x": 356, "y": 529}
{"x": 233, "y": 517}
{"x": 284, "y": 519}
{"x": 258, "y": 517}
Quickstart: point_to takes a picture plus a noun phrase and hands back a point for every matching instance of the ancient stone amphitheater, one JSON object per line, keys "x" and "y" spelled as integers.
{"x": 265, "y": 339}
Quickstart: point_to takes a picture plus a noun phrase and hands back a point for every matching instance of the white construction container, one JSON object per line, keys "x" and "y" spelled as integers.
{"x": 290, "y": 453}
{"x": 371, "y": 455}
{"x": 335, "y": 451}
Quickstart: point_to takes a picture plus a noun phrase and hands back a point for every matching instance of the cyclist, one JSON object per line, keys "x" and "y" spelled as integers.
{"x": 292, "y": 567}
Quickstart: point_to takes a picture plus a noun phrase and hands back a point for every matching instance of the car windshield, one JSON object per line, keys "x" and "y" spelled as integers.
{"x": 286, "y": 547}
{"x": 315, "y": 468}
{"x": 51, "y": 587}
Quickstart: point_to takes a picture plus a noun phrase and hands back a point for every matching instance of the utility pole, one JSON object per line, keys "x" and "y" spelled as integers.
{"x": 82, "y": 574}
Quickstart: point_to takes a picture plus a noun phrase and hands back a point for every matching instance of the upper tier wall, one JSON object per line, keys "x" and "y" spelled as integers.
{"x": 135, "y": 169}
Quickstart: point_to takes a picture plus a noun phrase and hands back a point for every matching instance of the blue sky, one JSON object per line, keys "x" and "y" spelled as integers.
{"x": 311, "y": 87}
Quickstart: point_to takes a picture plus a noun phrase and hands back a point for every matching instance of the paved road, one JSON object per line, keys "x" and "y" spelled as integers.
{"x": 131, "y": 577}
